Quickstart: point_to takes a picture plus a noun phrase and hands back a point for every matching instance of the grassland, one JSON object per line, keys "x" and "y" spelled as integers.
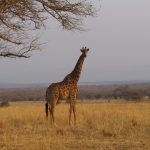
{"x": 100, "y": 126}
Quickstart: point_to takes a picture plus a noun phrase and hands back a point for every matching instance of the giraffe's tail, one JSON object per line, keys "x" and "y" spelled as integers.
{"x": 46, "y": 109}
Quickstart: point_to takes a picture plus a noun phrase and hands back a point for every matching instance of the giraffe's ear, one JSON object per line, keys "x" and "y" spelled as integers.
{"x": 81, "y": 50}
{"x": 88, "y": 49}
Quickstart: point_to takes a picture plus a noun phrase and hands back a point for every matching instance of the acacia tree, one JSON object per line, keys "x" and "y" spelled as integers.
{"x": 19, "y": 17}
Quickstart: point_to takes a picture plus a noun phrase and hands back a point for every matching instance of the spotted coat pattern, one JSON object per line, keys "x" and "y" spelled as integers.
{"x": 66, "y": 89}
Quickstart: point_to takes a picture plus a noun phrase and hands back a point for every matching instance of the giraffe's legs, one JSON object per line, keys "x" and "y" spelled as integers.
{"x": 74, "y": 112}
{"x": 51, "y": 110}
{"x": 72, "y": 107}
{"x": 70, "y": 112}
{"x": 52, "y": 113}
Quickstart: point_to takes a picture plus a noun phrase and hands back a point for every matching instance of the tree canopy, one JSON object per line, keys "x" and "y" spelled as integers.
{"x": 19, "y": 17}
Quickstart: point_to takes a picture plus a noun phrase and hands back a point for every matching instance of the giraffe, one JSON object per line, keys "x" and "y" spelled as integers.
{"x": 66, "y": 89}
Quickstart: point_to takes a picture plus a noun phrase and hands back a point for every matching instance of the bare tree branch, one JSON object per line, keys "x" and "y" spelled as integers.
{"x": 18, "y": 17}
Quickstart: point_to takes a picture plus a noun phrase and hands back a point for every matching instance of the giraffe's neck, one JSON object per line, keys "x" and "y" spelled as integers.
{"x": 78, "y": 68}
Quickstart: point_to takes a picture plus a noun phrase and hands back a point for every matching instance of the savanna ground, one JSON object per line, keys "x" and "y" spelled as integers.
{"x": 100, "y": 126}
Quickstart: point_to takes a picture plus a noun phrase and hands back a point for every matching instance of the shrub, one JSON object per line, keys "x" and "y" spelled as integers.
{"x": 4, "y": 104}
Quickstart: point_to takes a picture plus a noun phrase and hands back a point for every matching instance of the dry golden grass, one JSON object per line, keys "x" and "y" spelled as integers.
{"x": 100, "y": 126}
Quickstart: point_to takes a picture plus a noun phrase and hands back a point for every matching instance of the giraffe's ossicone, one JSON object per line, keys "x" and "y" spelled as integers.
{"x": 66, "y": 89}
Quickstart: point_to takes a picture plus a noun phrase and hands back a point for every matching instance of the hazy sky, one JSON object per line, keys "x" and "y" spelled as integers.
{"x": 119, "y": 42}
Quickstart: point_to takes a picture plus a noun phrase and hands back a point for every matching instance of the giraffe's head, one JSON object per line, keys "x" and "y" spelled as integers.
{"x": 84, "y": 51}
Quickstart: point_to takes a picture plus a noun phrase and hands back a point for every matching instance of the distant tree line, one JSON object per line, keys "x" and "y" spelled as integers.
{"x": 126, "y": 92}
